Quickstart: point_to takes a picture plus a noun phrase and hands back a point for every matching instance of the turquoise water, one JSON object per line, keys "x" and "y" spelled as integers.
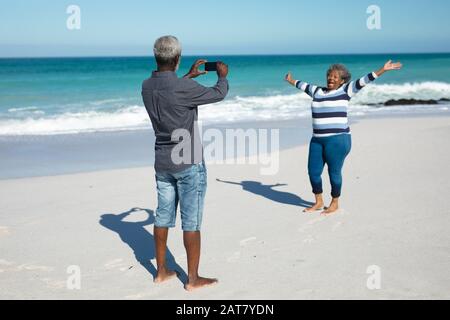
{"x": 67, "y": 95}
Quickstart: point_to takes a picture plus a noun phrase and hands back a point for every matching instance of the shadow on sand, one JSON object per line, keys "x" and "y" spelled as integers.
{"x": 140, "y": 240}
{"x": 268, "y": 192}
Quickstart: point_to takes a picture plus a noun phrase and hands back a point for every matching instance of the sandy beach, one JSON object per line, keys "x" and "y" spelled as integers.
{"x": 394, "y": 215}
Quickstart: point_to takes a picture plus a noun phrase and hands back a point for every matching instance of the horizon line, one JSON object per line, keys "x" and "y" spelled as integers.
{"x": 225, "y": 55}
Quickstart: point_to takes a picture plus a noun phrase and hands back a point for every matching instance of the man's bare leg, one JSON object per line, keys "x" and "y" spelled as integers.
{"x": 192, "y": 243}
{"x": 317, "y": 206}
{"x": 334, "y": 206}
{"x": 163, "y": 274}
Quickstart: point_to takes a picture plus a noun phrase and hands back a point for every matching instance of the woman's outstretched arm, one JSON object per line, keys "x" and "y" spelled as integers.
{"x": 354, "y": 87}
{"x": 309, "y": 89}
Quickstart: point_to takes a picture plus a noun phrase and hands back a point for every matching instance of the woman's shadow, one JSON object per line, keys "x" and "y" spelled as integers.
{"x": 268, "y": 191}
{"x": 140, "y": 240}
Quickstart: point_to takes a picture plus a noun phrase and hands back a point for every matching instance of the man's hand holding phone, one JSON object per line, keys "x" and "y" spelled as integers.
{"x": 220, "y": 67}
{"x": 195, "y": 72}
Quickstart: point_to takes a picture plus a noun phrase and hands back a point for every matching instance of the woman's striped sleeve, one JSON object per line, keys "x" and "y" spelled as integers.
{"x": 309, "y": 89}
{"x": 354, "y": 87}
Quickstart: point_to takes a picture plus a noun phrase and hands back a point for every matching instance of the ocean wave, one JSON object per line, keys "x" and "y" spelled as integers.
{"x": 30, "y": 108}
{"x": 130, "y": 118}
{"x": 237, "y": 109}
{"x": 380, "y": 93}
{"x": 106, "y": 102}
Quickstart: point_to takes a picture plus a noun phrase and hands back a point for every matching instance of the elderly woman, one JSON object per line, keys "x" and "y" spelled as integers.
{"x": 331, "y": 141}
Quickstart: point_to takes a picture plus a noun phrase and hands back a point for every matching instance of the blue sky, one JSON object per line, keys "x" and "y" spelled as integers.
{"x": 38, "y": 28}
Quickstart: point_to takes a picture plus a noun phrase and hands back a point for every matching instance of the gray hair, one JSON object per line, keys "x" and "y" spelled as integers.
{"x": 166, "y": 50}
{"x": 342, "y": 70}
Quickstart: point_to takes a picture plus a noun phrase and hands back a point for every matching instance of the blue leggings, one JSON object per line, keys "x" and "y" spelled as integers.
{"x": 332, "y": 151}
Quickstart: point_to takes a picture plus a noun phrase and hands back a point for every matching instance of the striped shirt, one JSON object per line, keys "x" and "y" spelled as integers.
{"x": 329, "y": 107}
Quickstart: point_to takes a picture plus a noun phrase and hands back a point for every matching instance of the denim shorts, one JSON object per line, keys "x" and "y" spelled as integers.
{"x": 187, "y": 188}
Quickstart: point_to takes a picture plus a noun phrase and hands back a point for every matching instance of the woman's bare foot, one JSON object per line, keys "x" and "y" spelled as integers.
{"x": 316, "y": 207}
{"x": 334, "y": 206}
{"x": 199, "y": 283}
{"x": 164, "y": 275}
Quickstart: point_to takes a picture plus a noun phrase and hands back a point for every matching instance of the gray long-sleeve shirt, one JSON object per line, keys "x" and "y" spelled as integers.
{"x": 171, "y": 103}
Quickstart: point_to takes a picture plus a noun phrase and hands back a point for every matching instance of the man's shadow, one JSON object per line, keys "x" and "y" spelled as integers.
{"x": 268, "y": 191}
{"x": 140, "y": 240}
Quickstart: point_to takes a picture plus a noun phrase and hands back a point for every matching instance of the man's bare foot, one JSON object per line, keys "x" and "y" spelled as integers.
{"x": 163, "y": 276}
{"x": 334, "y": 206}
{"x": 316, "y": 207}
{"x": 199, "y": 283}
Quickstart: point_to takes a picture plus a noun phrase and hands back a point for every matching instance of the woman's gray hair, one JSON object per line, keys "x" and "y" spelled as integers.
{"x": 166, "y": 50}
{"x": 343, "y": 71}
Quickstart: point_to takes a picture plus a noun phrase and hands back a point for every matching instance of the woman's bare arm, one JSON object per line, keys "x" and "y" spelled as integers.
{"x": 388, "y": 66}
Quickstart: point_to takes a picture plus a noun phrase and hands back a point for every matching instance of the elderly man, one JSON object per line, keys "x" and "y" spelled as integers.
{"x": 171, "y": 103}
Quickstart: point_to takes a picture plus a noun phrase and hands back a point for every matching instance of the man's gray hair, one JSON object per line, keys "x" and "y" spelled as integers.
{"x": 166, "y": 49}
{"x": 343, "y": 71}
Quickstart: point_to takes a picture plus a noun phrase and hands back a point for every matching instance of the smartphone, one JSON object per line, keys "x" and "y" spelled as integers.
{"x": 211, "y": 66}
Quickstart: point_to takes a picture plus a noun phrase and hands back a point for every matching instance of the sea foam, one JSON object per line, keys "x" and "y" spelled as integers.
{"x": 236, "y": 109}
